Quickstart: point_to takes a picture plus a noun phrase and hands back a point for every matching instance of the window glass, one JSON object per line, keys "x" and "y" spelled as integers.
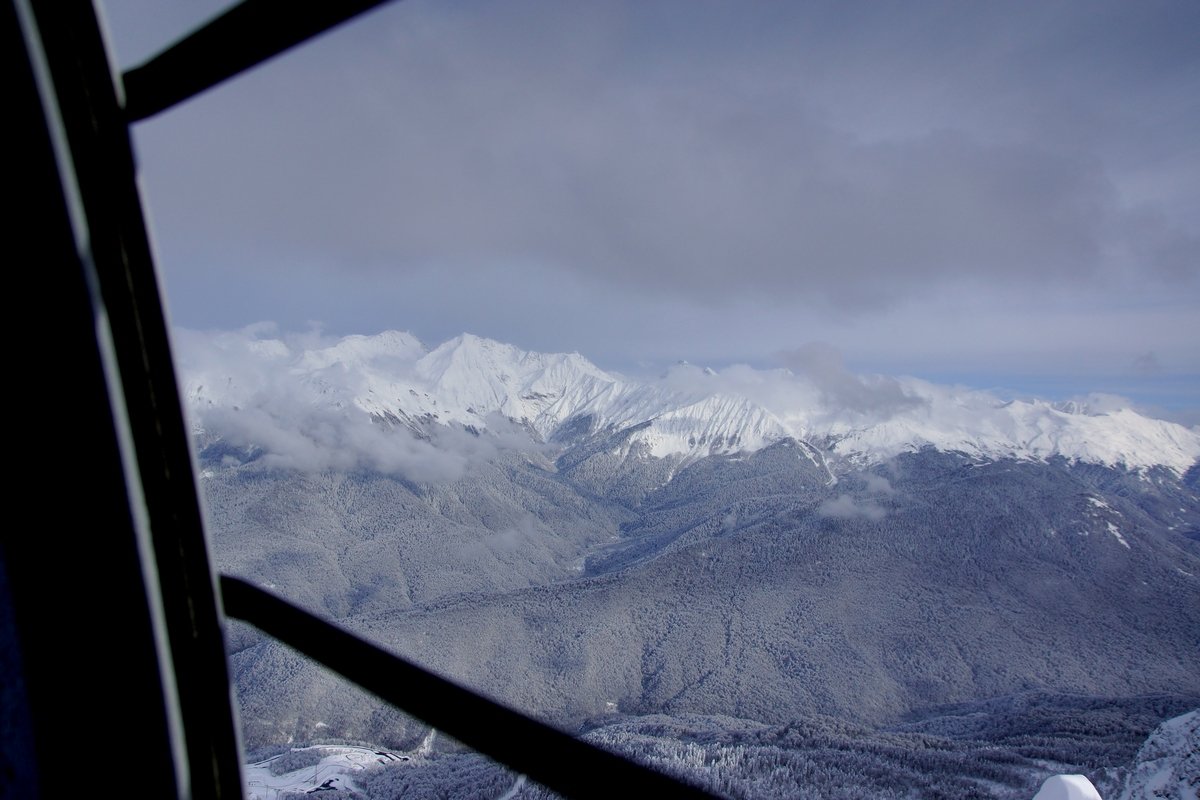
{"x": 797, "y": 396}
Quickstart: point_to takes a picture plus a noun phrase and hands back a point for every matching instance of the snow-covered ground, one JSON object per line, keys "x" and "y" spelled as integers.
{"x": 336, "y": 768}
{"x": 1168, "y": 765}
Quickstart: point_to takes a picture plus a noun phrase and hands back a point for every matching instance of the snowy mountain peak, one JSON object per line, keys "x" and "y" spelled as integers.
{"x": 472, "y": 377}
{"x": 467, "y": 359}
{"x": 362, "y": 350}
{"x": 1092, "y": 405}
{"x": 688, "y": 411}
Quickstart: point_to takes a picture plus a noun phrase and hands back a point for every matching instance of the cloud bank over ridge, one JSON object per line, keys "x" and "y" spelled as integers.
{"x": 388, "y": 404}
{"x": 942, "y": 186}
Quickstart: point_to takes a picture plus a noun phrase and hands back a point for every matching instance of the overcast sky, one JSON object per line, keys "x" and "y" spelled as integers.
{"x": 1004, "y": 194}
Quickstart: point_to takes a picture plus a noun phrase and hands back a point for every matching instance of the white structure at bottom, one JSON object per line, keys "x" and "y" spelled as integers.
{"x": 1067, "y": 787}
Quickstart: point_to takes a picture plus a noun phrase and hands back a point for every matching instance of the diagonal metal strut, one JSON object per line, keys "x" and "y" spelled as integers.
{"x": 248, "y": 34}
{"x": 549, "y": 756}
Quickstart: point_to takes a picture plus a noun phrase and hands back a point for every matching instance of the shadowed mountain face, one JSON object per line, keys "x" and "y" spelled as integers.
{"x": 750, "y": 585}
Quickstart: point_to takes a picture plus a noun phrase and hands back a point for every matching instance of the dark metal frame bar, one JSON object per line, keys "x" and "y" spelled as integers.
{"x": 555, "y": 759}
{"x": 250, "y": 33}
{"x": 158, "y": 671}
{"x": 124, "y": 558}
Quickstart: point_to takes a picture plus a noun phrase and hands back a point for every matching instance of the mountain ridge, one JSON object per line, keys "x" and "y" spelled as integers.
{"x": 687, "y": 413}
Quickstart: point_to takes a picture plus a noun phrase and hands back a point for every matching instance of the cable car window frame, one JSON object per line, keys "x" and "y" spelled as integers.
{"x": 165, "y": 616}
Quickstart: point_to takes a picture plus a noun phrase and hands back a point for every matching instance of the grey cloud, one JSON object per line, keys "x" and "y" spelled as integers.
{"x": 654, "y": 181}
{"x": 306, "y": 420}
{"x": 877, "y": 484}
{"x": 508, "y": 137}
{"x": 868, "y": 395}
{"x": 700, "y": 202}
{"x": 845, "y": 507}
{"x": 310, "y": 439}
{"x": 521, "y": 536}
{"x": 1147, "y": 364}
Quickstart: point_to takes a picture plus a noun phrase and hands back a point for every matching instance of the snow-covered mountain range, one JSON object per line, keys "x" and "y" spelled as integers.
{"x": 263, "y": 389}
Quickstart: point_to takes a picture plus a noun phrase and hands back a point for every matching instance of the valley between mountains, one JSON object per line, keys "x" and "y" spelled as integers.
{"x": 725, "y": 552}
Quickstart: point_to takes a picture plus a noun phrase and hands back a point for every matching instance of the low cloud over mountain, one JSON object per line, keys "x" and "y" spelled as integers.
{"x": 389, "y": 404}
